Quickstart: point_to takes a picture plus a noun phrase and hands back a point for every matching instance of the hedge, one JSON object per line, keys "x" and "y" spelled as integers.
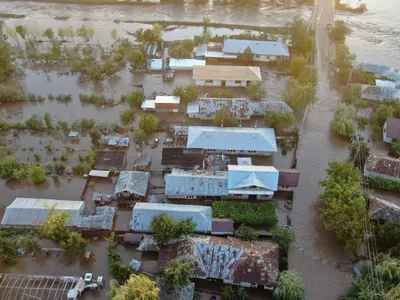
{"x": 383, "y": 184}
{"x": 244, "y": 213}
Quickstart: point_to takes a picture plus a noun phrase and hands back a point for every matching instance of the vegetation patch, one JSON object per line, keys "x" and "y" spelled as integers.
{"x": 383, "y": 184}
{"x": 12, "y": 16}
{"x": 96, "y": 99}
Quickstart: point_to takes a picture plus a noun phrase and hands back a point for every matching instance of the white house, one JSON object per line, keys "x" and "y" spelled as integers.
{"x": 226, "y": 76}
{"x": 391, "y": 130}
{"x": 162, "y": 104}
{"x": 232, "y": 140}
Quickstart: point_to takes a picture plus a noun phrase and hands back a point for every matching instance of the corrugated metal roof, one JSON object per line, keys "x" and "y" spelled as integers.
{"x": 274, "y": 48}
{"x": 34, "y": 211}
{"x": 186, "y": 64}
{"x": 196, "y": 183}
{"x": 219, "y": 54}
{"x": 149, "y": 104}
{"x": 168, "y": 99}
{"x": 232, "y": 138}
{"x": 134, "y": 182}
{"x": 97, "y": 173}
{"x": 374, "y": 68}
{"x": 288, "y": 177}
{"x": 384, "y": 210}
{"x": 385, "y": 83}
{"x": 143, "y": 213}
{"x": 73, "y": 134}
{"x": 102, "y": 218}
{"x": 214, "y": 72}
{"x": 156, "y": 64}
{"x": 240, "y": 177}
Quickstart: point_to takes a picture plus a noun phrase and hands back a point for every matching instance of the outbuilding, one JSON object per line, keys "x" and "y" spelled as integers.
{"x": 132, "y": 184}
{"x": 391, "y": 130}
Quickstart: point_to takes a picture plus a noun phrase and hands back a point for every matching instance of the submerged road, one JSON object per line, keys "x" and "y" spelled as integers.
{"x": 316, "y": 254}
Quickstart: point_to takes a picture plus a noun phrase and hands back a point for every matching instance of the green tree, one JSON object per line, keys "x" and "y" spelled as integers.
{"x": 83, "y": 33}
{"x": 63, "y": 125}
{"x": 352, "y": 94}
{"x": 114, "y": 34}
{"x": 396, "y": 148}
{"x": 139, "y": 34}
{"x": 48, "y": 121}
{"x": 28, "y": 244}
{"x": 284, "y": 236}
{"x": 256, "y": 91}
{"x": 8, "y": 252}
{"x": 7, "y": 59}
{"x": 55, "y": 226}
{"x": 344, "y": 58}
{"x": 62, "y": 33}
{"x": 345, "y": 120}
{"x": 302, "y": 42}
{"x": 136, "y": 287}
{"x": 22, "y": 31}
{"x": 205, "y": 22}
{"x": 177, "y": 274}
{"x": 297, "y": 64}
{"x": 279, "y": 120}
{"x": 309, "y": 74}
{"x": 157, "y": 32}
{"x": 344, "y": 210}
{"x": 95, "y": 135}
{"x": 246, "y": 57}
{"x": 35, "y": 123}
{"x": 359, "y": 151}
{"x": 36, "y": 174}
{"x": 184, "y": 227}
{"x": 222, "y": 117}
{"x": 49, "y": 34}
{"x": 140, "y": 135}
{"x": 385, "y": 109}
{"x": 163, "y": 227}
{"x": 290, "y": 286}
{"x": 12, "y": 167}
{"x": 387, "y": 236}
{"x": 339, "y": 31}
{"x": 230, "y": 292}
{"x": 187, "y": 93}
{"x": 299, "y": 95}
{"x": 74, "y": 244}
{"x": 126, "y": 115}
{"x": 148, "y": 123}
{"x": 148, "y": 35}
{"x": 8, "y": 94}
{"x": 246, "y": 233}
{"x": 135, "y": 99}
{"x": 136, "y": 58}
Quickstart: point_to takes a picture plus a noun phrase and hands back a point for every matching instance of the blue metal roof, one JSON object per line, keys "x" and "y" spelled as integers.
{"x": 257, "y": 47}
{"x": 232, "y": 138}
{"x": 242, "y": 176}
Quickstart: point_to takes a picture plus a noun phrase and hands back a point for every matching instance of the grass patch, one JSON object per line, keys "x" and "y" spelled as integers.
{"x": 96, "y": 99}
{"x": 62, "y": 18}
{"x": 14, "y": 16}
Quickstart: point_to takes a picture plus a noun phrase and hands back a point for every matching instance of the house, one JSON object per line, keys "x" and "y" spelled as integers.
{"x": 32, "y": 212}
{"x": 232, "y": 140}
{"x": 391, "y": 130}
{"x": 110, "y": 159}
{"x": 162, "y": 104}
{"x": 185, "y": 64}
{"x": 263, "y": 50}
{"x": 378, "y": 70}
{"x": 143, "y": 213}
{"x": 242, "y": 108}
{"x": 288, "y": 179}
{"x": 101, "y": 219}
{"x": 384, "y": 210}
{"x": 132, "y": 184}
{"x": 226, "y": 76}
{"x": 379, "y": 93}
{"x": 191, "y": 184}
{"x": 255, "y": 182}
{"x": 382, "y": 167}
{"x": 249, "y": 264}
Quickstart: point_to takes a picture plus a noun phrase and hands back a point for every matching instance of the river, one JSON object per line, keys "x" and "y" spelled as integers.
{"x": 316, "y": 253}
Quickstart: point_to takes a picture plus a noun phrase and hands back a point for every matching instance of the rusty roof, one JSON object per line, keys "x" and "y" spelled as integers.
{"x": 393, "y": 128}
{"x": 232, "y": 259}
{"x": 384, "y": 165}
{"x": 288, "y": 177}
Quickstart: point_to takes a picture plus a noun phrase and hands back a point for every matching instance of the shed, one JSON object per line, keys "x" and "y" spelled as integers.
{"x": 185, "y": 64}
{"x": 132, "y": 183}
{"x": 391, "y": 130}
{"x": 156, "y": 64}
{"x": 148, "y": 105}
{"x": 222, "y": 226}
{"x": 384, "y": 210}
{"x": 385, "y": 83}
{"x": 167, "y": 103}
{"x": 73, "y": 135}
{"x": 265, "y": 48}
{"x": 33, "y": 212}
{"x": 132, "y": 238}
{"x": 98, "y": 173}
{"x": 143, "y": 213}
{"x": 113, "y": 140}
{"x": 101, "y": 219}
{"x": 123, "y": 142}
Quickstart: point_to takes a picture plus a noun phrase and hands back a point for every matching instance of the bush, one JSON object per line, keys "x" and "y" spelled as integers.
{"x": 74, "y": 244}
{"x": 299, "y": 95}
{"x": 63, "y": 98}
{"x": 86, "y": 124}
{"x": 134, "y": 99}
{"x": 396, "y": 148}
{"x": 48, "y": 121}
{"x": 35, "y": 98}
{"x": 63, "y": 125}
{"x": 222, "y": 117}
{"x": 187, "y": 93}
{"x": 34, "y": 123}
{"x": 284, "y": 236}
{"x": 339, "y": 31}
{"x": 140, "y": 135}
{"x": 352, "y": 94}
{"x": 95, "y": 99}
{"x": 383, "y": 184}
{"x": 126, "y": 115}
{"x": 136, "y": 58}
{"x": 12, "y": 167}
{"x": 148, "y": 123}
{"x": 28, "y": 244}
{"x": 279, "y": 120}
{"x": 182, "y": 49}
{"x": 246, "y": 233}
{"x": 36, "y": 174}
{"x": 290, "y": 286}
{"x": 8, "y": 94}
{"x": 359, "y": 151}
{"x": 176, "y": 275}
{"x": 345, "y": 120}
{"x": 256, "y": 91}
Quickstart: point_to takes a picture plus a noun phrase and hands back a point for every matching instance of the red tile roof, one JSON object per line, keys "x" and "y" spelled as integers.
{"x": 384, "y": 165}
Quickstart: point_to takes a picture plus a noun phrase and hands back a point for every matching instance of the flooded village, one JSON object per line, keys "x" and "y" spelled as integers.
{"x": 199, "y": 150}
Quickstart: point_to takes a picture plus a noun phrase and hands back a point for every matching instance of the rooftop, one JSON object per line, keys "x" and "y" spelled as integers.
{"x": 180, "y": 157}
{"x": 385, "y": 83}
{"x": 384, "y": 210}
{"x": 232, "y": 259}
{"x": 214, "y": 72}
{"x": 232, "y": 138}
{"x": 185, "y": 63}
{"x": 288, "y": 177}
{"x": 257, "y": 47}
{"x": 379, "y": 91}
{"x": 167, "y": 99}
{"x": 108, "y": 159}
{"x": 393, "y": 128}
{"x": 148, "y": 104}
{"x": 102, "y": 218}
{"x": 246, "y": 178}
{"x": 374, "y": 68}
{"x": 222, "y": 226}
{"x": 383, "y": 165}
{"x": 134, "y": 182}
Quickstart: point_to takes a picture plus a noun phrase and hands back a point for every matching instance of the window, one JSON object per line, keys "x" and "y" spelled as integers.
{"x": 257, "y": 56}
{"x": 238, "y": 81}
{"x": 209, "y": 81}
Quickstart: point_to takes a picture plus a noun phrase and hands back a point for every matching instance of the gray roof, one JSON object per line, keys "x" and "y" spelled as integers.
{"x": 384, "y": 210}
{"x": 196, "y": 183}
{"x": 247, "y": 177}
{"x": 377, "y": 69}
{"x": 102, "y": 218}
{"x": 257, "y": 47}
{"x": 373, "y": 92}
{"x": 134, "y": 182}
{"x": 232, "y": 138}
{"x": 143, "y": 213}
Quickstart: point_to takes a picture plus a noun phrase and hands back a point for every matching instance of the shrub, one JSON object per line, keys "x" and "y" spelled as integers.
{"x": 222, "y": 117}
{"x": 279, "y": 120}
{"x": 12, "y": 167}
{"x": 284, "y": 236}
{"x": 187, "y": 93}
{"x": 177, "y": 274}
{"x": 339, "y": 31}
{"x": 290, "y": 286}
{"x": 345, "y": 120}
{"x": 48, "y": 121}
{"x": 148, "y": 123}
{"x": 74, "y": 244}
{"x": 95, "y": 99}
{"x": 63, "y": 125}
{"x": 246, "y": 233}
{"x": 64, "y": 98}
{"x": 8, "y": 94}
{"x": 35, "y": 98}
{"x": 86, "y": 124}
{"x": 256, "y": 91}
{"x": 28, "y": 244}
{"x": 134, "y": 99}
{"x": 34, "y": 123}
{"x": 126, "y": 115}
{"x": 396, "y": 148}
{"x": 36, "y": 174}
{"x": 383, "y": 184}
{"x": 140, "y": 135}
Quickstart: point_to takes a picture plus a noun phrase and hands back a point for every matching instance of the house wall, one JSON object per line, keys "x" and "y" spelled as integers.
{"x": 265, "y": 58}
{"x": 385, "y": 138}
{"x": 233, "y": 83}
{"x": 374, "y": 174}
{"x": 148, "y": 109}
{"x": 230, "y": 152}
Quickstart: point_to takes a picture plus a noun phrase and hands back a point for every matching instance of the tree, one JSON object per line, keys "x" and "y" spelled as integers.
{"x": 95, "y": 135}
{"x": 396, "y": 148}
{"x": 135, "y": 99}
{"x": 184, "y": 227}
{"x": 74, "y": 244}
{"x": 8, "y": 252}
{"x": 387, "y": 236}
{"x": 126, "y": 115}
{"x": 206, "y": 22}
{"x": 352, "y": 94}
{"x": 136, "y": 58}
{"x": 34, "y": 123}
{"x": 49, "y": 34}
{"x": 22, "y": 31}
{"x": 309, "y": 74}
{"x": 7, "y": 59}
{"x": 140, "y": 135}
{"x": 55, "y": 226}
{"x": 48, "y": 121}
{"x": 246, "y": 233}
{"x": 157, "y": 32}
{"x": 345, "y": 120}
{"x": 359, "y": 151}
{"x": 28, "y": 244}
{"x": 344, "y": 58}
{"x": 62, "y": 33}
{"x": 284, "y": 236}
{"x": 299, "y": 95}
{"x": 136, "y": 287}
{"x": 301, "y": 41}
{"x": 344, "y": 210}
{"x": 148, "y": 123}
{"x": 384, "y": 110}
{"x": 83, "y": 33}
{"x": 114, "y": 34}
{"x": 297, "y": 64}
{"x": 70, "y": 33}
{"x": 279, "y": 120}
{"x": 12, "y": 167}
{"x": 148, "y": 36}
{"x": 163, "y": 227}
{"x": 256, "y": 91}
{"x": 36, "y": 174}
{"x": 230, "y": 292}
{"x": 246, "y": 57}
{"x": 339, "y": 31}
{"x": 139, "y": 34}
{"x": 290, "y": 286}
{"x": 223, "y": 118}
{"x": 187, "y": 93}
{"x": 177, "y": 274}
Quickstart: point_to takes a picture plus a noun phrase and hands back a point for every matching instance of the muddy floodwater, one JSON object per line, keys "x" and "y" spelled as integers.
{"x": 316, "y": 253}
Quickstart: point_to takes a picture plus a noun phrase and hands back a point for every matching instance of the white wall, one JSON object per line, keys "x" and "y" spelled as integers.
{"x": 385, "y": 138}
{"x": 244, "y": 152}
